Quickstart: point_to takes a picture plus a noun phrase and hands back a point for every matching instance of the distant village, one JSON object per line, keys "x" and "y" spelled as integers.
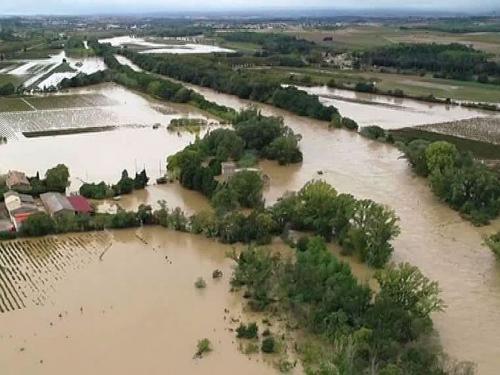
{"x": 19, "y": 206}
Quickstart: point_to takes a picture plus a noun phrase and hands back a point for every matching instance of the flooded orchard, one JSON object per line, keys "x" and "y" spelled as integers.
{"x": 121, "y": 303}
{"x": 142, "y": 288}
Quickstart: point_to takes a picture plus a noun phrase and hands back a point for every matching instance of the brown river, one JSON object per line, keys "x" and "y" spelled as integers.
{"x": 433, "y": 237}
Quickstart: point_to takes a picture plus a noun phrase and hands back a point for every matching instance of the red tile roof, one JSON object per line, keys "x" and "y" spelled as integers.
{"x": 80, "y": 204}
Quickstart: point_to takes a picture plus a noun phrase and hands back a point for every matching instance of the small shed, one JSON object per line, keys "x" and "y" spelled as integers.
{"x": 80, "y": 204}
{"x": 56, "y": 204}
{"x": 228, "y": 169}
{"x": 17, "y": 180}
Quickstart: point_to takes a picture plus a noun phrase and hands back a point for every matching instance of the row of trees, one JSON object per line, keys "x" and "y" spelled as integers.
{"x": 454, "y": 60}
{"x": 384, "y": 334}
{"x": 201, "y": 71}
{"x": 125, "y": 185}
{"x": 465, "y": 184}
{"x": 272, "y": 43}
{"x": 361, "y": 227}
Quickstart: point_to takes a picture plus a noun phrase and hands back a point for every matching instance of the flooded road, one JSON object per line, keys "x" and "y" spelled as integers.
{"x": 391, "y": 112}
{"x": 129, "y": 308}
{"x": 433, "y": 237}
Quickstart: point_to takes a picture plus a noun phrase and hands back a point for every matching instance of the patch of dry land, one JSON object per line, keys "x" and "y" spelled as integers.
{"x": 486, "y": 129}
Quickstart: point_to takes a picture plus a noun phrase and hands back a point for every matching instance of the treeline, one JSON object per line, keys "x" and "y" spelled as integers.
{"x": 221, "y": 77}
{"x": 360, "y": 331}
{"x": 265, "y": 137}
{"x": 465, "y": 184}
{"x": 271, "y": 43}
{"x": 155, "y": 86}
{"x": 455, "y": 61}
{"x": 125, "y": 185}
{"x": 182, "y": 30}
{"x": 362, "y": 227}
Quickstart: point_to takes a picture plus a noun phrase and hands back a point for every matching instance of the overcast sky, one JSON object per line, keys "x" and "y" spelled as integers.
{"x": 143, "y": 6}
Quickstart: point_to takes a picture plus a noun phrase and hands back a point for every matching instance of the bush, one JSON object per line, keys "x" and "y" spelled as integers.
{"x": 200, "y": 283}
{"x": 373, "y": 132}
{"x": 249, "y": 331}
{"x": 39, "y": 224}
{"x": 302, "y": 243}
{"x": 204, "y": 346}
{"x": 349, "y": 124}
{"x": 268, "y": 345}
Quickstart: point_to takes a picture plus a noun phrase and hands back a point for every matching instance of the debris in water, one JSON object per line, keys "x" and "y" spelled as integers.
{"x": 217, "y": 274}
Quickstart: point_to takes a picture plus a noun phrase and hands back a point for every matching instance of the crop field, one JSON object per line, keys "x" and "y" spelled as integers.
{"x": 31, "y": 268}
{"x": 36, "y": 121}
{"x": 33, "y": 103}
{"x": 410, "y": 84}
{"x": 486, "y": 129}
{"x": 369, "y": 36}
{"x": 70, "y": 101}
{"x": 13, "y": 105}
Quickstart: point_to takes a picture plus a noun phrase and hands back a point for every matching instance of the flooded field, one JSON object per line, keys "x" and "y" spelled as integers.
{"x": 146, "y": 46}
{"x": 42, "y": 73}
{"x": 391, "y": 112}
{"x": 128, "y": 306}
{"x": 434, "y": 238}
{"x": 133, "y": 143}
{"x": 486, "y": 129}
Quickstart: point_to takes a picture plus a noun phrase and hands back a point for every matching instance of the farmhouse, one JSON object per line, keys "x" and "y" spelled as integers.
{"x": 56, "y": 204}
{"x": 17, "y": 181}
{"x": 80, "y": 204}
{"x": 19, "y": 207}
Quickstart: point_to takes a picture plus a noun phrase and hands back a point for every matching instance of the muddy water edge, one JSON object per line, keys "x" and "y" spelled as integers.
{"x": 123, "y": 304}
{"x": 433, "y": 237}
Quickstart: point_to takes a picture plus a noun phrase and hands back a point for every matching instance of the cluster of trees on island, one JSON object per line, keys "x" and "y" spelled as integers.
{"x": 360, "y": 331}
{"x": 455, "y": 61}
{"x": 266, "y": 137}
{"x": 455, "y": 177}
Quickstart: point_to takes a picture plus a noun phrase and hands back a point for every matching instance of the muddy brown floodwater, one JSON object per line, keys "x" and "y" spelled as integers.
{"x": 122, "y": 304}
{"x": 391, "y": 112}
{"x": 433, "y": 237}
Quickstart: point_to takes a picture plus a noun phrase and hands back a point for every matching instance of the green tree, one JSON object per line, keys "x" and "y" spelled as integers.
{"x": 373, "y": 227}
{"x": 441, "y": 156}
{"x": 57, "y": 178}
{"x": 405, "y": 286}
{"x": 248, "y": 187}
